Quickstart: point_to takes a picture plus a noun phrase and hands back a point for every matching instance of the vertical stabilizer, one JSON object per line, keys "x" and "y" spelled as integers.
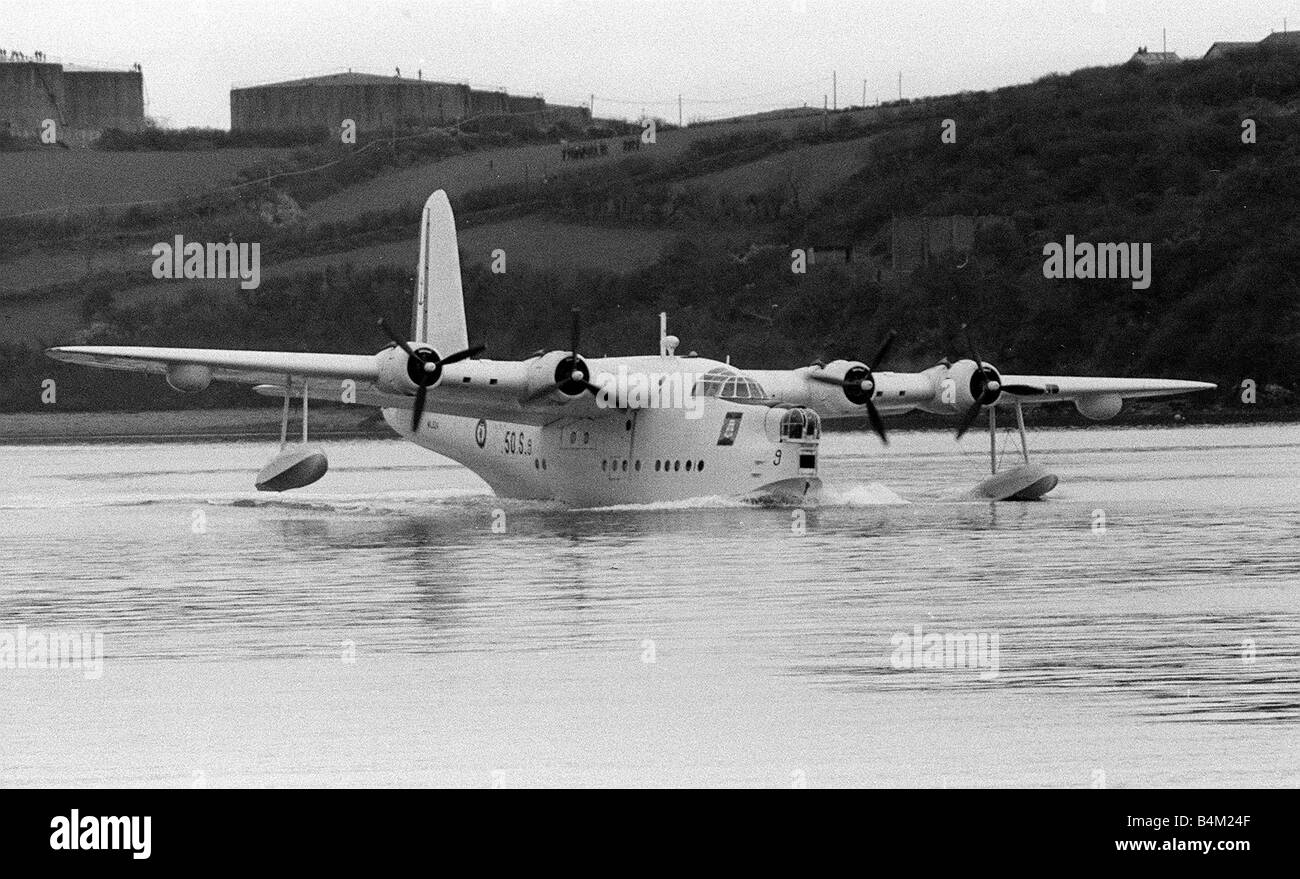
{"x": 439, "y": 314}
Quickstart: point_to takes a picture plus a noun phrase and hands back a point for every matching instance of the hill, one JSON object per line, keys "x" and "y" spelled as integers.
{"x": 1139, "y": 154}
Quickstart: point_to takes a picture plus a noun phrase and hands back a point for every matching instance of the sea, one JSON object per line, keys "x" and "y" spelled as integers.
{"x": 164, "y": 624}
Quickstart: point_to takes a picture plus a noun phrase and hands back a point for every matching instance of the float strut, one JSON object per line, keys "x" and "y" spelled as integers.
{"x": 993, "y": 439}
{"x": 284, "y": 417}
{"x": 1020, "y": 423}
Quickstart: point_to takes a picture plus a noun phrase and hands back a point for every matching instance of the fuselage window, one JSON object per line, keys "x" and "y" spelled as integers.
{"x": 688, "y": 466}
{"x": 604, "y": 464}
{"x": 677, "y": 465}
{"x": 657, "y": 463}
{"x": 625, "y": 465}
{"x": 638, "y": 465}
{"x": 699, "y": 468}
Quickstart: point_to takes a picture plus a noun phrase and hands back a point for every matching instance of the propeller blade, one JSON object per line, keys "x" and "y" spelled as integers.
{"x": 968, "y": 419}
{"x": 1023, "y": 390}
{"x": 877, "y": 424}
{"x": 979, "y": 361}
{"x": 418, "y": 411}
{"x": 594, "y": 388}
{"x": 460, "y": 355}
{"x": 883, "y": 352}
{"x": 824, "y": 379}
{"x": 401, "y": 343}
{"x": 576, "y": 333}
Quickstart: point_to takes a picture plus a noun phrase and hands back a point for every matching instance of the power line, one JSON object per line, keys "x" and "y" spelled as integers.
{"x": 740, "y": 99}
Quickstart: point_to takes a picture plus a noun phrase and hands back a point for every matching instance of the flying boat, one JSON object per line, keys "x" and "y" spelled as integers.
{"x": 594, "y": 431}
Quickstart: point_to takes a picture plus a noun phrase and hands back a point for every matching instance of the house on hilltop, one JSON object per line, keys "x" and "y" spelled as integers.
{"x": 1282, "y": 38}
{"x": 1142, "y": 56}
{"x": 1286, "y": 39}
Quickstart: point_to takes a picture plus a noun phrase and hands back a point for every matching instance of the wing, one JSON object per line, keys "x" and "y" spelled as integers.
{"x": 474, "y": 388}
{"x": 256, "y": 367}
{"x": 1070, "y": 387}
{"x": 442, "y": 400}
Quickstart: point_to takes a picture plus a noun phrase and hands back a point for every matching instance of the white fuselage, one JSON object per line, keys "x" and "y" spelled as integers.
{"x": 629, "y": 457}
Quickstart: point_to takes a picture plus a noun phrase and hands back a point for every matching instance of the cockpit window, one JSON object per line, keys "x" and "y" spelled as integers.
{"x": 728, "y": 384}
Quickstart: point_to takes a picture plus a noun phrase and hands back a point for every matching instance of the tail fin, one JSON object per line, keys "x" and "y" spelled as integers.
{"x": 439, "y": 316}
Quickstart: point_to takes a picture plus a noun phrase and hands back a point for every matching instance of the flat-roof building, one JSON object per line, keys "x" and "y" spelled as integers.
{"x": 82, "y": 102}
{"x": 375, "y": 103}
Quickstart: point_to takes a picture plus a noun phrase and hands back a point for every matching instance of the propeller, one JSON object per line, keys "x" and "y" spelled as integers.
{"x": 571, "y": 373}
{"x": 986, "y": 387}
{"x": 859, "y": 385}
{"x": 424, "y": 367}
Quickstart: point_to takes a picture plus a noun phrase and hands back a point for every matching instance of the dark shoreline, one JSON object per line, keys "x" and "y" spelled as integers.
{"x": 245, "y": 425}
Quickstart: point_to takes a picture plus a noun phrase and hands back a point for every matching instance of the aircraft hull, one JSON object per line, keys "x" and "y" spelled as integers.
{"x": 637, "y": 457}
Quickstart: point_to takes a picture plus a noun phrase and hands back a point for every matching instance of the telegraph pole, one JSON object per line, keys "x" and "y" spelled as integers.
{"x": 835, "y": 91}
{"x": 679, "y": 111}
{"x": 864, "y": 93}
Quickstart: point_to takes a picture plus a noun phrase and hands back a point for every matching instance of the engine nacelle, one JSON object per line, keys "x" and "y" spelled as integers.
{"x": 557, "y": 368}
{"x": 1099, "y": 407}
{"x": 189, "y": 378}
{"x": 958, "y": 386}
{"x": 398, "y": 371}
{"x": 852, "y": 375}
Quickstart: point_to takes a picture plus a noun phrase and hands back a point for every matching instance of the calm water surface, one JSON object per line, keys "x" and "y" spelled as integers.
{"x": 374, "y": 629}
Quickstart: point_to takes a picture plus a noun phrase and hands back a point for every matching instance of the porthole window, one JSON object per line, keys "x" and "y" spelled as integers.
{"x": 537, "y": 463}
{"x": 638, "y": 465}
{"x": 657, "y": 462}
{"x": 625, "y": 465}
{"x": 677, "y": 465}
{"x": 699, "y": 468}
{"x": 573, "y": 438}
{"x": 543, "y": 463}
{"x": 688, "y": 466}
{"x": 604, "y": 464}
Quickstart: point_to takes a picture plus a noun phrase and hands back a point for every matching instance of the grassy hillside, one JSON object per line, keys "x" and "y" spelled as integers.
{"x": 38, "y": 180}
{"x": 1122, "y": 154}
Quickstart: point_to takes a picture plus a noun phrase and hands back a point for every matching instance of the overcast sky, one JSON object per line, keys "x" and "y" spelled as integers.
{"x": 724, "y": 56}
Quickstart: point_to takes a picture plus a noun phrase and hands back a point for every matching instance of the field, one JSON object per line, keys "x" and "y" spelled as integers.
{"x": 460, "y": 174}
{"x": 811, "y": 170}
{"x": 34, "y": 311}
{"x": 39, "y": 180}
{"x": 530, "y": 240}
